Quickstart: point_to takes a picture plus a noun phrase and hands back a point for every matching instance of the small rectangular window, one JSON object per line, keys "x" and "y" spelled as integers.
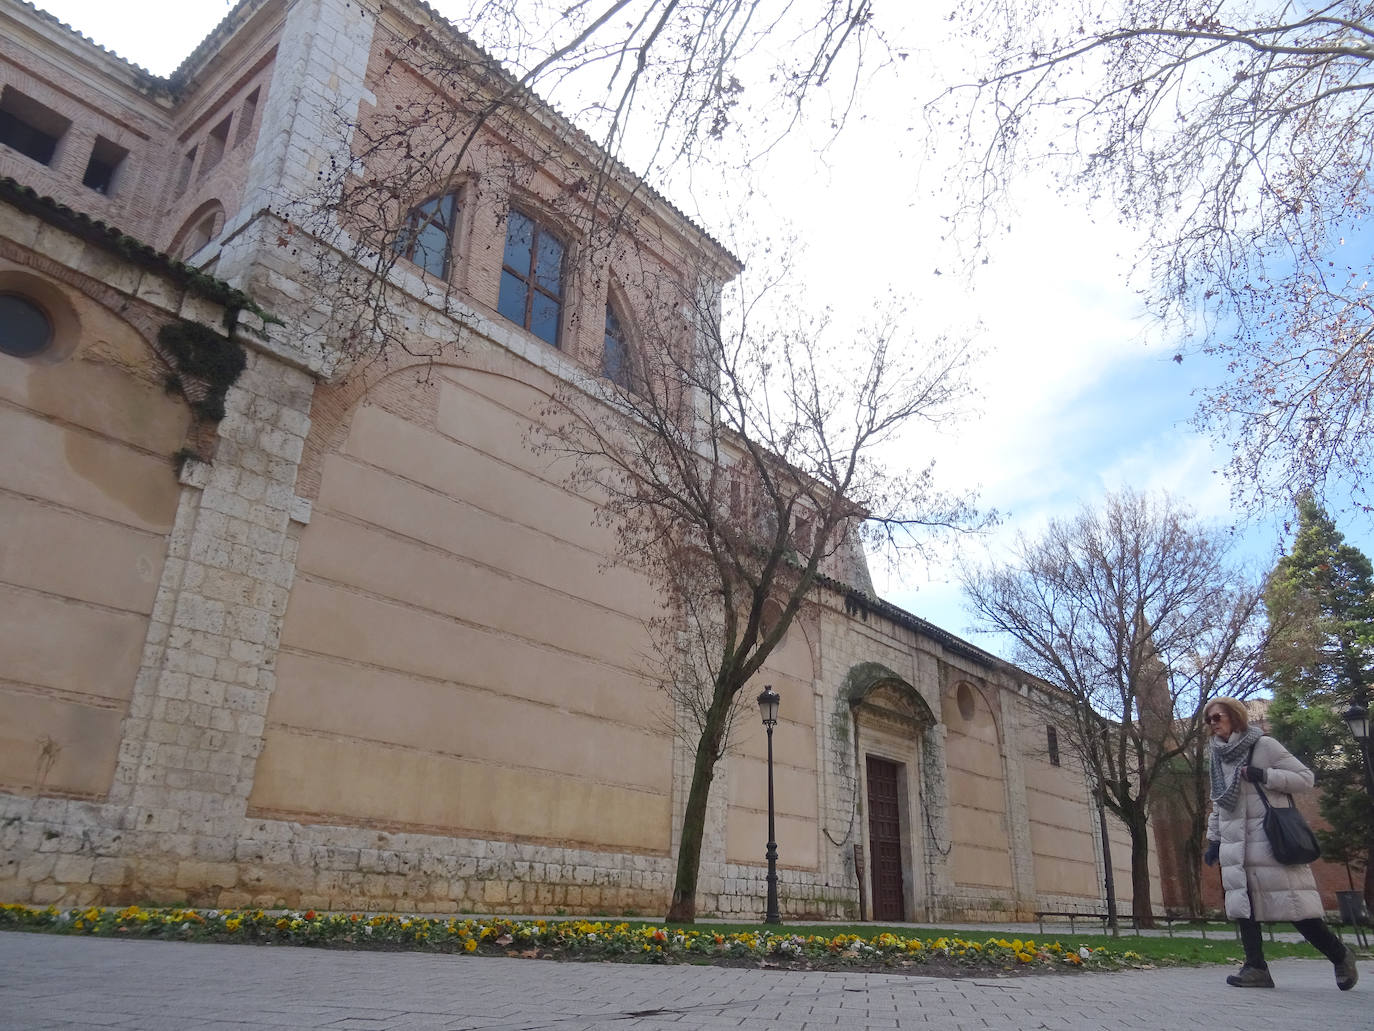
{"x": 103, "y": 166}
{"x": 215, "y": 145}
{"x": 29, "y": 127}
{"x": 1052, "y": 744}
{"x": 184, "y": 174}
{"x": 246, "y": 115}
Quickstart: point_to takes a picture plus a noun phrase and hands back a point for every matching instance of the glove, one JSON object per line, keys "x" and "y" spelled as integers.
{"x": 1254, "y": 774}
{"x": 1212, "y": 854}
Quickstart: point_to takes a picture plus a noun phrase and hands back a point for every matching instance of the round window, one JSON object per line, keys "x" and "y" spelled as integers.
{"x": 963, "y": 696}
{"x": 25, "y": 329}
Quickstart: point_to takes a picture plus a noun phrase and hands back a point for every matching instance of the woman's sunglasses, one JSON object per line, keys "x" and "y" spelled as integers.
{"x": 1216, "y": 717}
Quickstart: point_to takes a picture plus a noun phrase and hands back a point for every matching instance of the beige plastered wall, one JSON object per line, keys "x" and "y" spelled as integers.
{"x": 980, "y": 845}
{"x": 1066, "y": 830}
{"x": 796, "y": 797}
{"x": 88, "y": 494}
{"x": 1062, "y": 830}
{"x": 457, "y": 656}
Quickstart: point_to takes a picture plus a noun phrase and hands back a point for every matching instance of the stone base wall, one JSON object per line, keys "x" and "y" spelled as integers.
{"x": 69, "y": 853}
{"x": 74, "y": 853}
{"x": 800, "y": 897}
{"x": 972, "y": 906}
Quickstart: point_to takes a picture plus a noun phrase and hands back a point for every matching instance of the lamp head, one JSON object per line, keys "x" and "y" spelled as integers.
{"x": 768, "y": 706}
{"x": 1357, "y": 719}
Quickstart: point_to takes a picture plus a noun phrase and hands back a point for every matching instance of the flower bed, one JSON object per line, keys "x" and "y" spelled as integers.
{"x": 566, "y": 939}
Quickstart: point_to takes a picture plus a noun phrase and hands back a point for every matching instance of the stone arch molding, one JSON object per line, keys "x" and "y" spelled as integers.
{"x": 893, "y": 724}
{"x": 885, "y": 693}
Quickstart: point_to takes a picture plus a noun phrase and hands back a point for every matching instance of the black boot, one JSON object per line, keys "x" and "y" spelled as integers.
{"x": 1346, "y": 972}
{"x": 1251, "y": 977}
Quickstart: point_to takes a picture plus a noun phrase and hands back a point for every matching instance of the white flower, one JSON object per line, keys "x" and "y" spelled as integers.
{"x": 1083, "y": 952}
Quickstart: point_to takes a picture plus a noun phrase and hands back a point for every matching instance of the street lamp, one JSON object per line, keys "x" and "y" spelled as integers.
{"x": 1357, "y": 719}
{"x": 768, "y": 709}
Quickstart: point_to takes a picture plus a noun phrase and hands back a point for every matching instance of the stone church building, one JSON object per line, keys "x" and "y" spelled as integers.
{"x": 280, "y": 630}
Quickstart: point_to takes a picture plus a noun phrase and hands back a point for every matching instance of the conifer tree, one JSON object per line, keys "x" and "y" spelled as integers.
{"x": 1320, "y": 596}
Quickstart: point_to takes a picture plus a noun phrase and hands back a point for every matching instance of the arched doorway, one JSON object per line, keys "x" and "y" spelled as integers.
{"x": 890, "y": 720}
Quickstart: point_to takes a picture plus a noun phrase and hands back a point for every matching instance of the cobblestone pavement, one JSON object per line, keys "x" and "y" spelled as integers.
{"x": 50, "y": 982}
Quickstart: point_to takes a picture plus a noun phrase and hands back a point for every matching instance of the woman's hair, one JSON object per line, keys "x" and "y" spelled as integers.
{"x": 1240, "y": 716}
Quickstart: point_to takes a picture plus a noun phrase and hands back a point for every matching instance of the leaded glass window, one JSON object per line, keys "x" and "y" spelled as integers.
{"x": 427, "y": 237}
{"x": 532, "y": 277}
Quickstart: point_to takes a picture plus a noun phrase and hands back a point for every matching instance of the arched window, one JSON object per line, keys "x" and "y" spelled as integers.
{"x": 204, "y": 225}
{"x": 25, "y": 329}
{"x": 427, "y": 237}
{"x": 532, "y": 276}
{"x": 615, "y": 358}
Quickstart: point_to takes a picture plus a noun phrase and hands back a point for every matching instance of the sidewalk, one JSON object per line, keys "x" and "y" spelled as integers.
{"x": 58, "y": 982}
{"x": 1059, "y": 930}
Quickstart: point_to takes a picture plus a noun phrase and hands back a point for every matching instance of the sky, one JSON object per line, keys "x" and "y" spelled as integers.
{"x": 1079, "y": 394}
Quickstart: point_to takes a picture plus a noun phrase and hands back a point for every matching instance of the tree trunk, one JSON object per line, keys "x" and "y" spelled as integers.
{"x": 684, "y": 905}
{"x": 1369, "y": 877}
{"x": 1199, "y": 785}
{"x": 1108, "y": 878}
{"x": 1188, "y": 862}
{"x": 1138, "y": 826}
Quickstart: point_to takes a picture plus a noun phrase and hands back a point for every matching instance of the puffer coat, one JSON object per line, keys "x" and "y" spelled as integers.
{"x": 1256, "y": 884}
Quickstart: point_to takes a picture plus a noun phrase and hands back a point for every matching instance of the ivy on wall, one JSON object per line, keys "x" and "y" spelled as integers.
{"x": 206, "y": 363}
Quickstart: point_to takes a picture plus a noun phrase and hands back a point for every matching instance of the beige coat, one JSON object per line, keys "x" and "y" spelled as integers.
{"x": 1256, "y": 884}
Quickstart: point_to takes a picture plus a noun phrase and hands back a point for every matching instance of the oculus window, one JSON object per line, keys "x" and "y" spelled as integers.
{"x": 25, "y": 329}
{"x": 532, "y": 277}
{"x": 427, "y": 237}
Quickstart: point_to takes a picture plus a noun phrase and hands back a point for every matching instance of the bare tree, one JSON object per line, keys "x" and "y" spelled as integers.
{"x": 1241, "y": 136}
{"x": 448, "y": 116}
{"x": 738, "y": 462}
{"x": 1136, "y": 616}
{"x": 672, "y": 75}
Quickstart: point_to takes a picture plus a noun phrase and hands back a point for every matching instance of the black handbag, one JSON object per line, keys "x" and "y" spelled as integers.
{"x": 1290, "y": 839}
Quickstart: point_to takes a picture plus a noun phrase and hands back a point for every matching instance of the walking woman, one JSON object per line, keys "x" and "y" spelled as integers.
{"x": 1258, "y": 888}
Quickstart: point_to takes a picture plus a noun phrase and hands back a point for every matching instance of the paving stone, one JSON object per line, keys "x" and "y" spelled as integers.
{"x": 52, "y": 982}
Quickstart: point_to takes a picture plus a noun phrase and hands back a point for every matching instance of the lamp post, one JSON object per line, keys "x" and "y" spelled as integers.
{"x": 1357, "y": 719}
{"x": 768, "y": 709}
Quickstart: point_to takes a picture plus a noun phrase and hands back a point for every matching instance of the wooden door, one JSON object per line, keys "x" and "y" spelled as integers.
{"x": 885, "y": 840}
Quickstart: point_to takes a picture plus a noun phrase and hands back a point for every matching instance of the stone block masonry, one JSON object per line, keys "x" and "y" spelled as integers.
{"x": 196, "y": 718}
{"x": 69, "y": 853}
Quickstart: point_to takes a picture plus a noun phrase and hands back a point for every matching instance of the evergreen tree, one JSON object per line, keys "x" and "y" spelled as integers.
{"x": 1320, "y": 598}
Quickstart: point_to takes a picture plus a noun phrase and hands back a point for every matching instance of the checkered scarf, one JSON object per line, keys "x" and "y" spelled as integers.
{"x": 1223, "y": 794}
